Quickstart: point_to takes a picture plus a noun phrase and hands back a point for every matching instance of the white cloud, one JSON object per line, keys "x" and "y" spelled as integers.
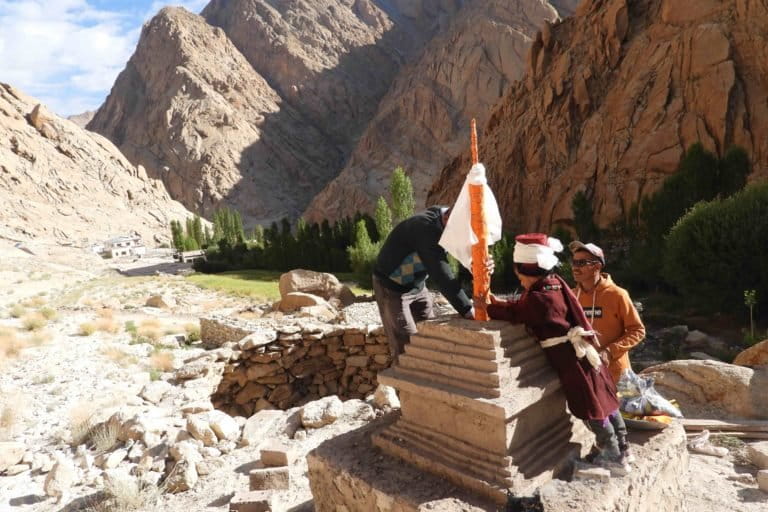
{"x": 68, "y": 53}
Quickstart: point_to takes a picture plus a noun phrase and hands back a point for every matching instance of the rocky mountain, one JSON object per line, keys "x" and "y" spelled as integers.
{"x": 82, "y": 119}
{"x": 256, "y": 104}
{"x": 423, "y": 121}
{"x": 61, "y": 183}
{"x": 611, "y": 99}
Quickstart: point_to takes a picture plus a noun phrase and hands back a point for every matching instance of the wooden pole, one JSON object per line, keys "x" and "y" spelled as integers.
{"x": 480, "y": 277}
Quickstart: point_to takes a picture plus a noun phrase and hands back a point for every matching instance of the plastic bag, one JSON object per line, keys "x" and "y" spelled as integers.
{"x": 640, "y": 398}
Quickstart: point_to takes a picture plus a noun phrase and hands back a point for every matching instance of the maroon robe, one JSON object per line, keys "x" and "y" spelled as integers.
{"x": 548, "y": 309}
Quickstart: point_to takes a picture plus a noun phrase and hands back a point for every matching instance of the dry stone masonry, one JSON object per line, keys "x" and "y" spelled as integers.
{"x": 291, "y": 363}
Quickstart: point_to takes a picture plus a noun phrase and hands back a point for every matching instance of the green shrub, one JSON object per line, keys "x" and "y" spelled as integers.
{"x": 716, "y": 250}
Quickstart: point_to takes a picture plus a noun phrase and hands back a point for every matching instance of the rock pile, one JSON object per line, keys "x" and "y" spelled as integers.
{"x": 282, "y": 367}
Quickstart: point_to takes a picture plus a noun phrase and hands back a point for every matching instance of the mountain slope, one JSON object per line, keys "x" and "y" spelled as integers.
{"x": 423, "y": 121}
{"x": 191, "y": 109}
{"x": 611, "y": 99}
{"x": 62, "y": 183}
{"x": 257, "y": 104}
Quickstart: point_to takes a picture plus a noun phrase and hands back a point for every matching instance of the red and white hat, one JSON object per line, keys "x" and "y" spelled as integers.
{"x": 538, "y": 249}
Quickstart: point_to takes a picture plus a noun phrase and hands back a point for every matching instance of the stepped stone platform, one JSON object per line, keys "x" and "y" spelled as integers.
{"x": 482, "y": 415}
{"x": 481, "y": 407}
{"x": 347, "y": 473}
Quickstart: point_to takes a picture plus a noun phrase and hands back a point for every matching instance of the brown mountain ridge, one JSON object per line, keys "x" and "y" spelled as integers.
{"x": 611, "y": 99}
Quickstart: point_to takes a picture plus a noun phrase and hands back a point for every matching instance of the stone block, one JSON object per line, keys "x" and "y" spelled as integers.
{"x": 252, "y": 501}
{"x": 758, "y": 454}
{"x": 592, "y": 473}
{"x": 276, "y": 454}
{"x": 762, "y": 480}
{"x": 265, "y": 479}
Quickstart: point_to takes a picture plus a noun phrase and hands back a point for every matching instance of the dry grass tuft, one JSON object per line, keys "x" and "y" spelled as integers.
{"x": 10, "y": 345}
{"x": 104, "y": 436}
{"x": 34, "y": 322}
{"x": 40, "y": 337}
{"x": 107, "y": 325}
{"x": 80, "y": 423}
{"x": 48, "y": 313}
{"x": 9, "y": 418}
{"x": 86, "y": 329}
{"x": 150, "y": 330}
{"x": 116, "y": 354}
{"x": 107, "y": 313}
{"x": 17, "y": 311}
{"x": 35, "y": 302}
{"x": 127, "y": 495}
{"x": 161, "y": 360}
{"x": 193, "y": 331}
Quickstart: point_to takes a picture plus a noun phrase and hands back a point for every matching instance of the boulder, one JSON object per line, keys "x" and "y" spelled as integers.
{"x": 44, "y": 122}
{"x": 60, "y": 478}
{"x": 161, "y": 301}
{"x": 186, "y": 450}
{"x": 322, "y": 312}
{"x": 321, "y": 412}
{"x": 201, "y": 430}
{"x": 696, "y": 339}
{"x": 224, "y": 425}
{"x": 386, "y": 397}
{"x": 758, "y": 454}
{"x": 258, "y": 339}
{"x": 155, "y": 391}
{"x": 357, "y": 410}
{"x": 295, "y": 300}
{"x": 321, "y": 284}
{"x": 756, "y": 355}
{"x": 733, "y": 388}
{"x": 193, "y": 370}
{"x": 182, "y": 477}
{"x": 10, "y": 454}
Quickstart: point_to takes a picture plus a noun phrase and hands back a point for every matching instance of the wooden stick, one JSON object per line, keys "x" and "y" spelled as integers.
{"x": 481, "y": 279}
{"x": 740, "y": 435}
{"x": 743, "y": 426}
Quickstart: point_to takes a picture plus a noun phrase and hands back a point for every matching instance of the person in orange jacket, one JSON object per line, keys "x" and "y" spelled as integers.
{"x": 608, "y": 307}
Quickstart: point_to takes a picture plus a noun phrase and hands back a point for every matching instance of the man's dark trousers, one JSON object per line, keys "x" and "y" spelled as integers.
{"x": 400, "y": 312}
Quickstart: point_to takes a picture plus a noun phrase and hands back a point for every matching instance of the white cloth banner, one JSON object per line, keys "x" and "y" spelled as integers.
{"x": 458, "y": 236}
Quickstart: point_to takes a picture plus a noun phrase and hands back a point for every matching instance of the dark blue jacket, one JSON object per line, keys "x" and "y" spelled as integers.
{"x": 411, "y": 253}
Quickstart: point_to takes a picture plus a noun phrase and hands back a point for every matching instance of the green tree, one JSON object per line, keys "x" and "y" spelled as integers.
{"x": 714, "y": 252}
{"x": 197, "y": 231}
{"x": 177, "y": 235}
{"x": 584, "y": 218}
{"x": 401, "y": 191}
{"x": 383, "y": 218}
{"x": 363, "y": 253}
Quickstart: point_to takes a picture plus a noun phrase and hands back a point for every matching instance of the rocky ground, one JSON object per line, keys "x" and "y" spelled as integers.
{"x": 92, "y": 379}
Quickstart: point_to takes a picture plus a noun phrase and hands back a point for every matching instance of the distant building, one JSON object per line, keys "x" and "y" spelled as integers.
{"x": 121, "y": 246}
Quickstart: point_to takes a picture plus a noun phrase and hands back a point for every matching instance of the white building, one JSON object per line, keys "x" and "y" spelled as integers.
{"x": 130, "y": 245}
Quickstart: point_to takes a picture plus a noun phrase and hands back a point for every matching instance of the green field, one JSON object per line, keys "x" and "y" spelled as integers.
{"x": 257, "y": 284}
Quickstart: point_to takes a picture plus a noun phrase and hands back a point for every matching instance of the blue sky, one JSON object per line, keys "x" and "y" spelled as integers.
{"x": 67, "y": 53}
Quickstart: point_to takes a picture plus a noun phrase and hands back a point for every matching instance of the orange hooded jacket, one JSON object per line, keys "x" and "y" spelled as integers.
{"x": 615, "y": 319}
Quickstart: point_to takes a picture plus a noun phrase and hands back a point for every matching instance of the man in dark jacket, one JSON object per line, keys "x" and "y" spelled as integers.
{"x": 410, "y": 254}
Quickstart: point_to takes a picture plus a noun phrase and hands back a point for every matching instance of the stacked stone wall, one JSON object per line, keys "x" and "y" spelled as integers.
{"x": 284, "y": 366}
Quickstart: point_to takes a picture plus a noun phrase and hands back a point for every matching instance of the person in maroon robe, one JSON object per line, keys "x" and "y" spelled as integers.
{"x": 553, "y": 315}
